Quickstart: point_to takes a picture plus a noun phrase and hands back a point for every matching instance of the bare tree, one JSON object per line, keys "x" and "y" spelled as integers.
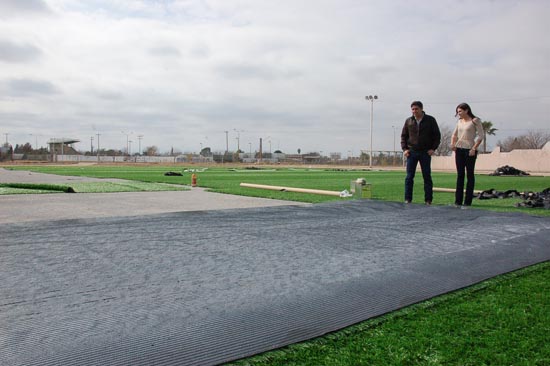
{"x": 531, "y": 140}
{"x": 444, "y": 148}
{"x": 536, "y": 140}
{"x": 151, "y": 150}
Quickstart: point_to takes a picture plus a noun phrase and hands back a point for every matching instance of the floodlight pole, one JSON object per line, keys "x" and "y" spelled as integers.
{"x": 98, "y": 146}
{"x": 127, "y": 141}
{"x": 226, "y": 141}
{"x": 371, "y": 99}
{"x": 139, "y": 143}
{"x": 35, "y": 141}
{"x": 238, "y": 139}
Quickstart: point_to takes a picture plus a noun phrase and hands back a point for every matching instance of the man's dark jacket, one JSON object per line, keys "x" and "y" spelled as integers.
{"x": 428, "y": 138}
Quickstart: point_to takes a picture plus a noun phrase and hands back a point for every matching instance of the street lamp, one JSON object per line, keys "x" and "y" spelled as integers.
{"x": 238, "y": 139}
{"x": 35, "y": 141}
{"x": 226, "y": 141}
{"x": 98, "y": 134}
{"x": 127, "y": 141}
{"x": 139, "y": 141}
{"x": 393, "y": 138}
{"x": 393, "y": 145}
{"x": 371, "y": 98}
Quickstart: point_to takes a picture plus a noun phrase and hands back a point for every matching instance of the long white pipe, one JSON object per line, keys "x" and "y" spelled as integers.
{"x": 450, "y": 190}
{"x": 291, "y": 189}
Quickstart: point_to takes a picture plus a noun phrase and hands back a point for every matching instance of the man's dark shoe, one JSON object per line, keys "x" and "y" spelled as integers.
{"x": 407, "y": 201}
{"x": 428, "y": 203}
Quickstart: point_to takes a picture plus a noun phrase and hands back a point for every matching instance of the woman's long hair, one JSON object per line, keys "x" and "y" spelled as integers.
{"x": 465, "y": 107}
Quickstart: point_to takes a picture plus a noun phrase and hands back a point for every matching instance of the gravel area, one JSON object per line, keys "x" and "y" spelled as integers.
{"x": 61, "y": 206}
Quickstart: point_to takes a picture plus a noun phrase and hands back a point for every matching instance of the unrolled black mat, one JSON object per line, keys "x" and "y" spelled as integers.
{"x": 203, "y": 288}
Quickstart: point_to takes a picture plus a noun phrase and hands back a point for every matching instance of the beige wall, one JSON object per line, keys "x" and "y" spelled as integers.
{"x": 531, "y": 161}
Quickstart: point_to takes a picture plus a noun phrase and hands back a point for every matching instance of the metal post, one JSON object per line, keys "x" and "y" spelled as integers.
{"x": 371, "y": 98}
{"x": 226, "y": 141}
{"x": 98, "y": 146}
{"x": 139, "y": 144}
{"x": 394, "y": 151}
{"x": 371, "y": 111}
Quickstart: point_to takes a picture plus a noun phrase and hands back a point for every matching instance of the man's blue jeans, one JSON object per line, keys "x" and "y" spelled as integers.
{"x": 425, "y": 165}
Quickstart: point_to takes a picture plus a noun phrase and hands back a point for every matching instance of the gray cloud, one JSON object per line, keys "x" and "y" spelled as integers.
{"x": 165, "y": 51}
{"x": 251, "y": 71}
{"x": 23, "y": 7}
{"x": 200, "y": 50}
{"x": 18, "y": 53}
{"x": 26, "y": 87}
{"x": 289, "y": 74}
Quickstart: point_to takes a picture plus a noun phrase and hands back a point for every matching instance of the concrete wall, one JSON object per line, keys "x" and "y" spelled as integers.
{"x": 115, "y": 159}
{"x": 531, "y": 161}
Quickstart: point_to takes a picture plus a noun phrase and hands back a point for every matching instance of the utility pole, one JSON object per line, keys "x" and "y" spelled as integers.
{"x": 371, "y": 99}
{"x": 238, "y": 139}
{"x": 6, "y": 138}
{"x": 139, "y": 140}
{"x": 98, "y": 146}
{"x": 127, "y": 141}
{"x": 226, "y": 141}
{"x": 35, "y": 147}
{"x": 261, "y": 152}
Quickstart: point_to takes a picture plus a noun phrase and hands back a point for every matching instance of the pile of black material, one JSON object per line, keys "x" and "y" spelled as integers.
{"x": 508, "y": 170}
{"x": 493, "y": 193}
{"x": 530, "y": 199}
{"x": 173, "y": 174}
{"x": 536, "y": 199}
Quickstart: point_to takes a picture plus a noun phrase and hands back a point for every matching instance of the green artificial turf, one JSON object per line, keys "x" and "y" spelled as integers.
{"x": 501, "y": 321}
{"x": 386, "y": 185}
{"x": 87, "y": 187}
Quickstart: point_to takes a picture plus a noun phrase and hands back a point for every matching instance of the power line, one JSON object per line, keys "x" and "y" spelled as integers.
{"x": 498, "y": 100}
{"x": 506, "y": 100}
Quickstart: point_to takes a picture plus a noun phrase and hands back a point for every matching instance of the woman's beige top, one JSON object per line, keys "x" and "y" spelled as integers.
{"x": 465, "y": 133}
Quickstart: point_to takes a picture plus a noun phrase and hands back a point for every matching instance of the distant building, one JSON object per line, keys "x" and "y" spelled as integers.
{"x": 62, "y": 146}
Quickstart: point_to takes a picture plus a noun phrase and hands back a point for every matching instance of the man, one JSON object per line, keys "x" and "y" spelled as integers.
{"x": 420, "y": 138}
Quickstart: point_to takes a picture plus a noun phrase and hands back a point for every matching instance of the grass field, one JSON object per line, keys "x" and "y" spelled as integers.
{"x": 386, "y": 185}
{"x": 502, "y": 321}
{"x": 87, "y": 187}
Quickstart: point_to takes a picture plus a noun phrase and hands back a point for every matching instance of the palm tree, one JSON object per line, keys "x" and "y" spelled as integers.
{"x": 489, "y": 130}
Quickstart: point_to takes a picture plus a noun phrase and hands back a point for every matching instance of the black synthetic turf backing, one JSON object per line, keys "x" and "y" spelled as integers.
{"x": 202, "y": 288}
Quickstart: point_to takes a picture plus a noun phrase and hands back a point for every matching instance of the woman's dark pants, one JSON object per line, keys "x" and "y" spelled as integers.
{"x": 464, "y": 162}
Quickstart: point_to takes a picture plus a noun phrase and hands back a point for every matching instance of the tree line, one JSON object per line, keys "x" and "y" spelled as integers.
{"x": 529, "y": 140}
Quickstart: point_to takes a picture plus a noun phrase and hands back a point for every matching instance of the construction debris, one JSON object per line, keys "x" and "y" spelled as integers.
{"x": 530, "y": 199}
{"x": 508, "y": 170}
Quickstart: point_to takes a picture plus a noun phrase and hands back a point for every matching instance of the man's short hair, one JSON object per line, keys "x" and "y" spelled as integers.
{"x": 418, "y": 104}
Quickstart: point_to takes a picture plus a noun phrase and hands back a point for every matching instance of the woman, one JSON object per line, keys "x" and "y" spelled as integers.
{"x": 465, "y": 144}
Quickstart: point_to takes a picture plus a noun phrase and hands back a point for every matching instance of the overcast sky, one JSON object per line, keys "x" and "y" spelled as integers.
{"x": 294, "y": 72}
